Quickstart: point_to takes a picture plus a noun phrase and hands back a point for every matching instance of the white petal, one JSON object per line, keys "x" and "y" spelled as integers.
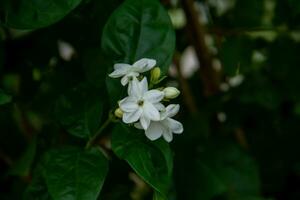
{"x": 144, "y": 65}
{"x": 159, "y": 106}
{"x": 174, "y": 126}
{"x": 122, "y": 66}
{"x": 168, "y": 136}
{"x": 145, "y": 122}
{"x": 134, "y": 89}
{"x": 154, "y": 131}
{"x": 138, "y": 125}
{"x": 171, "y": 110}
{"x": 117, "y": 74}
{"x": 154, "y": 96}
{"x": 150, "y": 111}
{"x": 124, "y": 80}
{"x": 144, "y": 85}
{"x": 129, "y": 104}
{"x": 130, "y": 117}
{"x": 129, "y": 77}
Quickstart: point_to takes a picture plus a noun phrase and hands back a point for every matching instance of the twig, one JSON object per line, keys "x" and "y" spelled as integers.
{"x": 95, "y": 136}
{"x": 185, "y": 88}
{"x": 241, "y": 138}
{"x": 209, "y": 76}
{"x": 241, "y": 31}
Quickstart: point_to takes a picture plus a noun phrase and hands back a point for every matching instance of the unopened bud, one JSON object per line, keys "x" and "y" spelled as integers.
{"x": 171, "y": 92}
{"x": 118, "y": 113}
{"x": 155, "y": 74}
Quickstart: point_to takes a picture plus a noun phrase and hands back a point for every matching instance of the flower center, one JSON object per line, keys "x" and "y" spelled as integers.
{"x": 141, "y": 102}
{"x": 130, "y": 78}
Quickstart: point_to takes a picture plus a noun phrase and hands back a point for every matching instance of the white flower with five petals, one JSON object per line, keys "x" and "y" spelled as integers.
{"x": 166, "y": 126}
{"x": 128, "y": 72}
{"x": 141, "y": 105}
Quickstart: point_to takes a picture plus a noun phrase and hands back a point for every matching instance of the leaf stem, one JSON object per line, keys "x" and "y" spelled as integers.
{"x": 99, "y": 131}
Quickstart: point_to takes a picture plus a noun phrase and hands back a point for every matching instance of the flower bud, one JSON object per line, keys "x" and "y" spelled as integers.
{"x": 118, "y": 113}
{"x": 171, "y": 92}
{"x": 155, "y": 74}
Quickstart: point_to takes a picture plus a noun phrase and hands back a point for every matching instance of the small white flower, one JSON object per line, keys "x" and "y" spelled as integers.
{"x": 236, "y": 80}
{"x": 65, "y": 50}
{"x": 141, "y": 105}
{"x": 166, "y": 126}
{"x": 128, "y": 72}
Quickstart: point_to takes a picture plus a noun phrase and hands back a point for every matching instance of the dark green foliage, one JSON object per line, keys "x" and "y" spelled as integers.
{"x": 241, "y": 143}
{"x": 35, "y": 13}
{"x": 80, "y": 111}
{"x": 153, "y": 161}
{"x": 63, "y": 170}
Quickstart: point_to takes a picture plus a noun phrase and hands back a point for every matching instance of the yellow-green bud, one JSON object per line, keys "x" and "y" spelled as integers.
{"x": 171, "y": 92}
{"x": 118, "y": 113}
{"x": 155, "y": 74}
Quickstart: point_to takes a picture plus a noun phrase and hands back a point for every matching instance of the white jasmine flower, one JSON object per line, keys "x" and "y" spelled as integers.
{"x": 66, "y": 50}
{"x": 141, "y": 105}
{"x": 166, "y": 126}
{"x": 128, "y": 72}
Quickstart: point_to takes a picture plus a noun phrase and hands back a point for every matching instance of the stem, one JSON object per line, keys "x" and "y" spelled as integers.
{"x": 186, "y": 90}
{"x": 99, "y": 131}
{"x": 196, "y": 33}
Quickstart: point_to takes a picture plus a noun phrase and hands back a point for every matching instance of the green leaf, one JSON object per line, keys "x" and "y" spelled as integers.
{"x": 37, "y": 189}
{"x": 138, "y": 29}
{"x": 72, "y": 173}
{"x": 95, "y": 66}
{"x": 158, "y": 196}
{"x": 80, "y": 111}
{"x": 32, "y": 14}
{"x": 4, "y": 98}
{"x": 236, "y": 54}
{"x": 153, "y": 161}
{"x": 224, "y": 168}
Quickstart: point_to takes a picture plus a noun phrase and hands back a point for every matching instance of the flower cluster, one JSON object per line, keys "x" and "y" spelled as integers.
{"x": 144, "y": 106}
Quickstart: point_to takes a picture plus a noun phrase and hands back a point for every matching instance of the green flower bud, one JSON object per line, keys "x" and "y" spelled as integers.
{"x": 155, "y": 74}
{"x": 171, "y": 92}
{"x": 118, "y": 113}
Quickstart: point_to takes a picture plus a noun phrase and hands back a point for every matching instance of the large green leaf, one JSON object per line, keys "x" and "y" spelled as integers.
{"x": 37, "y": 189}
{"x": 138, "y": 29}
{"x": 31, "y": 14}
{"x": 76, "y": 174}
{"x": 223, "y": 168}
{"x": 153, "y": 161}
{"x": 80, "y": 111}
